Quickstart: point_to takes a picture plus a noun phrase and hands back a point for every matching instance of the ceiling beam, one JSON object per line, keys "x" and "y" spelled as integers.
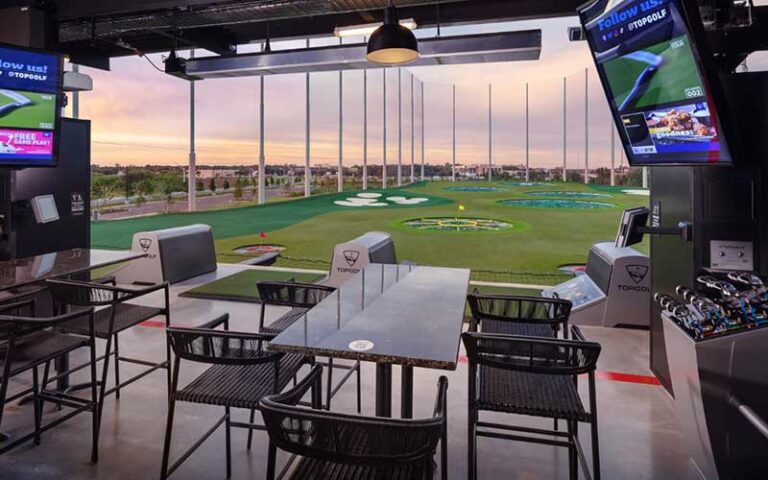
{"x": 455, "y": 50}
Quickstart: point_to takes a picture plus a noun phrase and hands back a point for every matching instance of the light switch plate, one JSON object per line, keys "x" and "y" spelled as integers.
{"x": 731, "y": 255}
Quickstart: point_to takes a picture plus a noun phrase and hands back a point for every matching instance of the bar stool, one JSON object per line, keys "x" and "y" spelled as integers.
{"x": 535, "y": 377}
{"x": 241, "y": 372}
{"x": 114, "y": 316}
{"x": 301, "y": 297}
{"x": 27, "y": 343}
{"x": 335, "y": 446}
{"x": 519, "y": 315}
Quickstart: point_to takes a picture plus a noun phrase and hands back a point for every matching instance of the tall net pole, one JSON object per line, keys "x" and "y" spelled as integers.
{"x": 453, "y": 169}
{"x": 307, "y": 152}
{"x": 192, "y": 173}
{"x": 262, "y": 159}
{"x": 586, "y": 125}
{"x": 527, "y": 137}
{"x": 422, "y": 130}
{"x": 490, "y": 132}
{"x": 340, "y": 174}
{"x": 613, "y": 155}
{"x": 365, "y": 129}
{"x": 399, "y": 127}
{"x": 413, "y": 136}
{"x": 565, "y": 129}
{"x": 384, "y": 153}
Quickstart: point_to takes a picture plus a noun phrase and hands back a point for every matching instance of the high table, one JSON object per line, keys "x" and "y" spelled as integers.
{"x": 23, "y": 272}
{"x": 27, "y": 271}
{"x": 390, "y": 315}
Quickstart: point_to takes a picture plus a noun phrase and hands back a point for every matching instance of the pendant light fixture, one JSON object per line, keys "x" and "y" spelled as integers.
{"x": 391, "y": 43}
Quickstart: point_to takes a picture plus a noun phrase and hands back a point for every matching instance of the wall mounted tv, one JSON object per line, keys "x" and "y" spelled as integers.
{"x": 30, "y": 106}
{"x": 658, "y": 86}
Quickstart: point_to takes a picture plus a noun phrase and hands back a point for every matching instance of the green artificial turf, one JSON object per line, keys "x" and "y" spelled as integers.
{"x": 540, "y": 240}
{"x": 241, "y": 287}
{"x": 497, "y": 290}
{"x": 237, "y": 222}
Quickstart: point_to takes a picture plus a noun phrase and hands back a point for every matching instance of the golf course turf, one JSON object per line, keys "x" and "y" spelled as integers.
{"x": 539, "y": 241}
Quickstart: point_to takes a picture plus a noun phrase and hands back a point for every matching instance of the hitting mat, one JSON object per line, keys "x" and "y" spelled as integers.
{"x": 241, "y": 287}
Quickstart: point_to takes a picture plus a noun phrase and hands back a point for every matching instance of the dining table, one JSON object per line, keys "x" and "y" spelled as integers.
{"x": 21, "y": 276}
{"x": 406, "y": 315}
{"x": 22, "y": 272}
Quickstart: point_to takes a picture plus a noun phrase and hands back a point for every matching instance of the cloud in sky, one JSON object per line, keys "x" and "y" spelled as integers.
{"x": 141, "y": 116}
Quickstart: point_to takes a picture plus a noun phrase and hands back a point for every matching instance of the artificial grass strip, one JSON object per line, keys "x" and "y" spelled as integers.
{"x": 241, "y": 287}
{"x": 241, "y": 221}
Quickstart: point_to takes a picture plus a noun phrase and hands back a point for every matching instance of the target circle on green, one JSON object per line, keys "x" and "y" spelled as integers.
{"x": 557, "y": 204}
{"x": 460, "y": 224}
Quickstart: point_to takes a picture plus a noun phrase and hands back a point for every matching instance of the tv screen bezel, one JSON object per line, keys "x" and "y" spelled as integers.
{"x": 21, "y": 162}
{"x": 704, "y": 59}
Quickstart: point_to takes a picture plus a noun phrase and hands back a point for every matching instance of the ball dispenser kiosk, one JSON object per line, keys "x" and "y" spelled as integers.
{"x": 614, "y": 291}
{"x": 351, "y": 257}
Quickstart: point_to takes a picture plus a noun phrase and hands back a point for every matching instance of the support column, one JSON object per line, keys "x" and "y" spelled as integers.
{"x": 192, "y": 171}
{"x": 422, "y": 130}
{"x": 527, "y": 138}
{"x": 384, "y": 162}
{"x": 490, "y": 132}
{"x": 76, "y": 95}
{"x": 645, "y": 177}
{"x": 399, "y": 127}
{"x": 365, "y": 129}
{"x": 586, "y": 125}
{"x": 453, "y": 170}
{"x": 262, "y": 159}
{"x": 413, "y": 136}
{"x": 565, "y": 129}
{"x": 307, "y": 152}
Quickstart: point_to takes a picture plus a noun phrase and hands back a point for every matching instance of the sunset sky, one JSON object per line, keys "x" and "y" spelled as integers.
{"x": 141, "y": 116}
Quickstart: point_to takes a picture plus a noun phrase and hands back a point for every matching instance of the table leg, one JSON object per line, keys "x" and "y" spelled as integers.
{"x": 406, "y": 392}
{"x": 383, "y": 390}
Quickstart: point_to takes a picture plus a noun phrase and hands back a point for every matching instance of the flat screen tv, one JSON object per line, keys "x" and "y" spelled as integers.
{"x": 30, "y": 106}
{"x": 660, "y": 90}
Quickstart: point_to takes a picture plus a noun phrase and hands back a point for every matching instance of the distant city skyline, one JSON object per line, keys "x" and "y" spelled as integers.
{"x": 141, "y": 116}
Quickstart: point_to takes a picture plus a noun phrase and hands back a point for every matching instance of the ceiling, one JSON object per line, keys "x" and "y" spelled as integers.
{"x": 92, "y": 31}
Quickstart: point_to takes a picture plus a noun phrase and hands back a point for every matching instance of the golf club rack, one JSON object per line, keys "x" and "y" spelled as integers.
{"x": 716, "y": 335}
{"x": 719, "y": 304}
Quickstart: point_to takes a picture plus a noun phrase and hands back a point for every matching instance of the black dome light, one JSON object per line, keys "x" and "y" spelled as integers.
{"x": 391, "y": 43}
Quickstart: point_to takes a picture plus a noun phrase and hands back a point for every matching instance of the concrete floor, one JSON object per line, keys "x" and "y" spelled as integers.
{"x": 639, "y": 436}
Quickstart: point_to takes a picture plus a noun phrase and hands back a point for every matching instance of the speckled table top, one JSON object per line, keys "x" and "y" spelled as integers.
{"x": 398, "y": 314}
{"x": 25, "y": 271}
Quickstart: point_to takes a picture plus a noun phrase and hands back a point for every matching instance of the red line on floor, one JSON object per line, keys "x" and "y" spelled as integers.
{"x": 153, "y": 324}
{"x": 628, "y": 377}
{"x": 612, "y": 376}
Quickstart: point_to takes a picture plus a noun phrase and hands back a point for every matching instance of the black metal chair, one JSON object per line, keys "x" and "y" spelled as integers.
{"x": 334, "y": 446}
{"x": 519, "y": 315}
{"x": 301, "y": 297}
{"x": 117, "y": 316}
{"x": 538, "y": 378}
{"x": 27, "y": 343}
{"x": 241, "y": 373}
